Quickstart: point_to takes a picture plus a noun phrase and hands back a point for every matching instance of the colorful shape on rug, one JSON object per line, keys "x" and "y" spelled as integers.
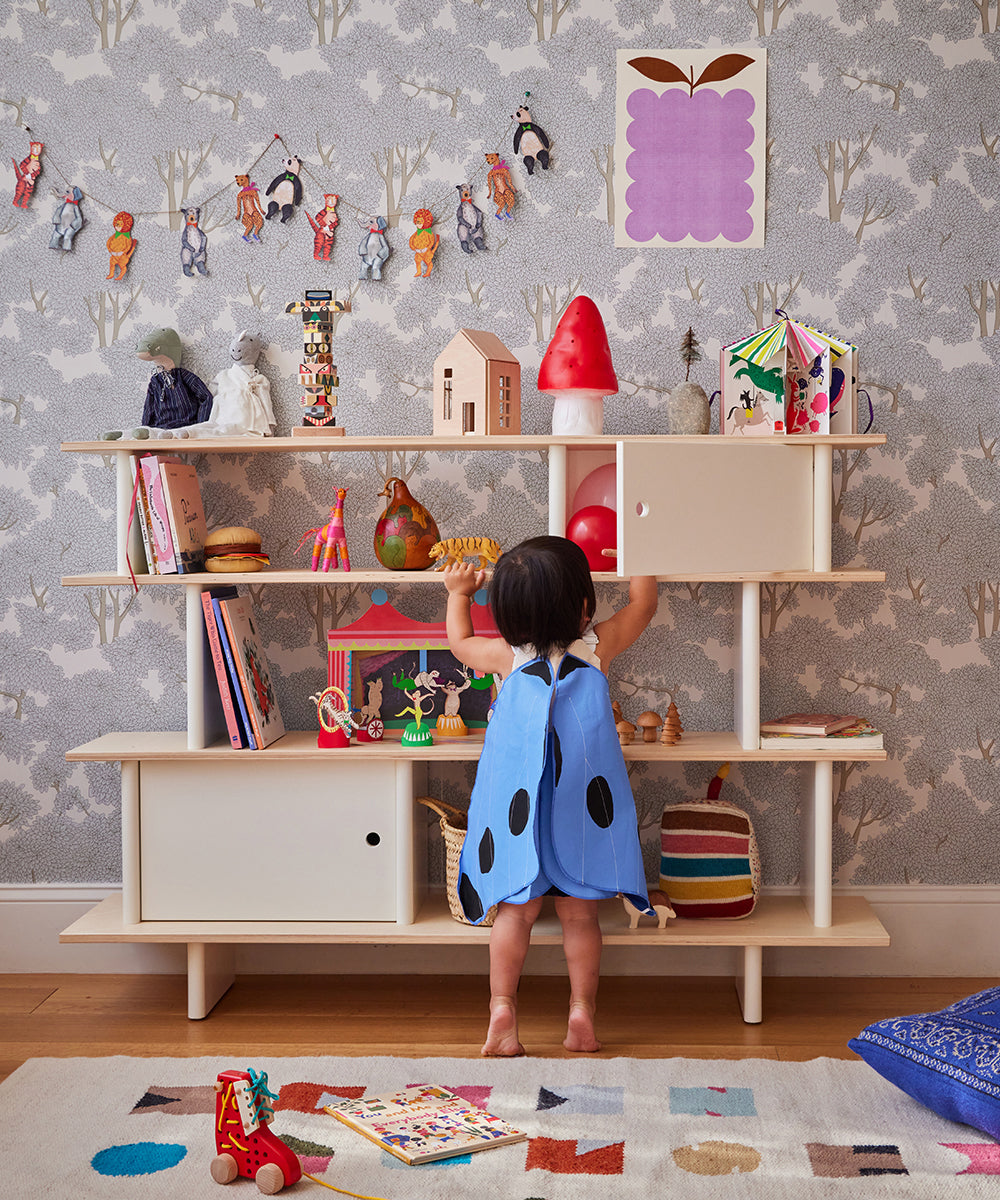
{"x": 311, "y": 1097}
{"x": 712, "y": 1102}
{"x": 573, "y": 1157}
{"x": 854, "y": 1162}
{"x": 137, "y": 1158}
{"x": 717, "y": 1158}
{"x": 583, "y": 1098}
{"x": 314, "y": 1158}
{"x": 181, "y": 1101}
{"x": 984, "y": 1157}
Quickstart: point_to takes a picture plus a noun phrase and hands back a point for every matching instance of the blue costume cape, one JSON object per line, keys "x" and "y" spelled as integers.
{"x": 551, "y": 769}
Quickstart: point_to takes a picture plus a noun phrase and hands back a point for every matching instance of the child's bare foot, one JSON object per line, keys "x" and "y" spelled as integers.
{"x": 580, "y": 1032}
{"x": 501, "y": 1037}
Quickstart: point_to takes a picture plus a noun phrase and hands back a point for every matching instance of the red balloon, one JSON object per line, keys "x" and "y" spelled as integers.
{"x": 595, "y": 528}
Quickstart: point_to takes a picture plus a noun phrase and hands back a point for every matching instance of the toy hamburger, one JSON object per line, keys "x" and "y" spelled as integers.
{"x": 234, "y": 548}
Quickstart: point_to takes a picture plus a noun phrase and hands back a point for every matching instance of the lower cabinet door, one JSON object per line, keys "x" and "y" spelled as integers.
{"x": 258, "y": 841}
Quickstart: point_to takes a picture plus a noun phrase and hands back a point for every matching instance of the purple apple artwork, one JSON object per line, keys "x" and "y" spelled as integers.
{"x": 691, "y": 147}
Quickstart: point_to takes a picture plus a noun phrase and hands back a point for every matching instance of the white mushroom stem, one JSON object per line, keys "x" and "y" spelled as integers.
{"x": 577, "y": 412}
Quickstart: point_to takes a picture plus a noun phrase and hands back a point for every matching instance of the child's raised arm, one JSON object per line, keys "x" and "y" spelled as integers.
{"x": 488, "y": 654}
{"x": 619, "y": 631}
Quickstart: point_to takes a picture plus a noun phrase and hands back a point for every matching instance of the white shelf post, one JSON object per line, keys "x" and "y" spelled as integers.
{"x": 198, "y": 684}
{"x": 817, "y": 845}
{"x": 746, "y": 686}
{"x": 211, "y": 972}
{"x": 822, "y": 508}
{"x": 131, "y": 900}
{"x": 557, "y": 491}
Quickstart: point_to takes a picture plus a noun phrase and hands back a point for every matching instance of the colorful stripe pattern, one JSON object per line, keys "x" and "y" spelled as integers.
{"x": 709, "y": 865}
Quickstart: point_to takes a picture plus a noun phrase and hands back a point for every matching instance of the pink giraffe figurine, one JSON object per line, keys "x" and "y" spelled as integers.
{"x": 330, "y": 544}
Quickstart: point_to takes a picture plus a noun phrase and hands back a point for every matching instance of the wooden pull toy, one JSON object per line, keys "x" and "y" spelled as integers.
{"x": 658, "y": 902}
{"x": 244, "y": 1143}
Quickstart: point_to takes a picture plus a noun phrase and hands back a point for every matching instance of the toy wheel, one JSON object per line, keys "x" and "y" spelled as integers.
{"x": 270, "y": 1179}
{"x": 224, "y": 1168}
{"x": 375, "y": 729}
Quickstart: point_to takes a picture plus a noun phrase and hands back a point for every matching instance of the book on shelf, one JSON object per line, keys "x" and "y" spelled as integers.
{"x": 817, "y": 724}
{"x": 859, "y": 735}
{"x": 253, "y": 670}
{"x": 232, "y": 674}
{"x": 228, "y": 681}
{"x": 140, "y": 515}
{"x": 425, "y": 1123}
{"x": 159, "y": 518}
{"x": 182, "y": 497}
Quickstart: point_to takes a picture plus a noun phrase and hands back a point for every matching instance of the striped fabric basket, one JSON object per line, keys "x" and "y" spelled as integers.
{"x": 709, "y": 863}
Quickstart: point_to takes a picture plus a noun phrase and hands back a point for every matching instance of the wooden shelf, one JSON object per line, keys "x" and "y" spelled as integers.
{"x": 697, "y": 746}
{"x": 777, "y": 921}
{"x": 428, "y": 443}
{"x": 381, "y": 578}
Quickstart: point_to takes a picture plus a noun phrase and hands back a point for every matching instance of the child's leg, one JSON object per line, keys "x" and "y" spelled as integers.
{"x": 582, "y": 945}
{"x": 509, "y": 940}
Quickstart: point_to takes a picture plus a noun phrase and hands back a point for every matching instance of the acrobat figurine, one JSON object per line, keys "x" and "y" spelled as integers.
{"x": 244, "y": 1143}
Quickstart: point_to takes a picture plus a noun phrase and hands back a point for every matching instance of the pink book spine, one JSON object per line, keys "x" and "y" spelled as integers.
{"x": 166, "y": 562}
{"x": 219, "y": 662}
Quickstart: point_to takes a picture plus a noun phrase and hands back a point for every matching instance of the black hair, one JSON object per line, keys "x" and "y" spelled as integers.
{"x": 539, "y": 594}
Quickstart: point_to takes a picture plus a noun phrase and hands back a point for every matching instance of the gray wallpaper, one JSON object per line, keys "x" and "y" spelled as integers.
{"x": 883, "y": 183}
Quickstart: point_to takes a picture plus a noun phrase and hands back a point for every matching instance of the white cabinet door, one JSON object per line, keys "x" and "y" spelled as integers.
{"x": 690, "y": 509}
{"x": 257, "y": 841}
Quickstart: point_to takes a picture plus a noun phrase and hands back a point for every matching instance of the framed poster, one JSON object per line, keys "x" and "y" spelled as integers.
{"x": 690, "y": 147}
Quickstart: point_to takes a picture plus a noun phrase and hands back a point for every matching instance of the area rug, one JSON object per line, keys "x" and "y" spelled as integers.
{"x": 598, "y": 1129}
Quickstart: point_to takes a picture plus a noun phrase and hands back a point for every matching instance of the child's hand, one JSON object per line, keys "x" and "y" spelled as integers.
{"x": 462, "y": 579}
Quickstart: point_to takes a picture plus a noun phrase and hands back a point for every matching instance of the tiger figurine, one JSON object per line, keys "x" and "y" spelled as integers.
{"x": 454, "y": 550}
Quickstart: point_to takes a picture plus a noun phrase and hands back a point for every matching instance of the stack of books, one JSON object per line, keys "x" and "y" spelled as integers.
{"x": 170, "y": 514}
{"x": 819, "y": 731}
{"x": 246, "y": 687}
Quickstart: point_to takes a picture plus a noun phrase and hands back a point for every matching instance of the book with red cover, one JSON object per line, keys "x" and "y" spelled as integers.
{"x": 253, "y": 669}
{"x": 182, "y": 499}
{"x": 233, "y": 720}
{"x": 814, "y": 723}
{"x": 159, "y": 518}
{"x": 859, "y": 735}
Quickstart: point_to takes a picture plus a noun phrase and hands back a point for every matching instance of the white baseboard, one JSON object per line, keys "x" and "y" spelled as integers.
{"x": 948, "y": 931}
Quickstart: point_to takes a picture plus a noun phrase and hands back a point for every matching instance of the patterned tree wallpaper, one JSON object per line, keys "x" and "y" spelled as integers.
{"x": 883, "y": 176}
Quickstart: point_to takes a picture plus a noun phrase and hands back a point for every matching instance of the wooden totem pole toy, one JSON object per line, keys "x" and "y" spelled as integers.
{"x": 243, "y": 1142}
{"x": 317, "y": 371}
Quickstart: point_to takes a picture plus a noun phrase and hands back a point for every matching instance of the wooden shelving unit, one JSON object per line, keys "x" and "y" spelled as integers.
{"x": 160, "y": 769}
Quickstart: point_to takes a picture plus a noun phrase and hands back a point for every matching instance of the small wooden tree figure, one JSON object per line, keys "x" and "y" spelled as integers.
{"x": 672, "y": 727}
{"x": 688, "y": 406}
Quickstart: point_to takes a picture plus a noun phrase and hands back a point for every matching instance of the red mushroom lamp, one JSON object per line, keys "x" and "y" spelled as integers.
{"x": 577, "y": 370}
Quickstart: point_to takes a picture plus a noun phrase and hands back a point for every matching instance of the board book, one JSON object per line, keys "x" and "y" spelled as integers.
{"x": 817, "y": 724}
{"x": 233, "y": 676}
{"x": 182, "y": 499}
{"x": 423, "y": 1123}
{"x": 860, "y": 735}
{"x": 159, "y": 519}
{"x": 256, "y": 682}
{"x": 223, "y": 678}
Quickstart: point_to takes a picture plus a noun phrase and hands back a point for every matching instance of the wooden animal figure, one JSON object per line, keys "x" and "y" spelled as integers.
{"x": 530, "y": 141}
{"x": 67, "y": 220}
{"x": 374, "y": 247}
{"x": 248, "y": 209}
{"x": 244, "y": 1143}
{"x": 747, "y": 412}
{"x": 371, "y": 710}
{"x": 323, "y": 225}
{"x": 27, "y": 172}
{"x": 659, "y": 902}
{"x": 500, "y": 187}
{"x": 285, "y": 190}
{"x": 330, "y": 540}
{"x": 424, "y": 243}
{"x": 194, "y": 243}
{"x": 453, "y": 550}
{"x": 470, "y": 220}
{"x": 121, "y": 245}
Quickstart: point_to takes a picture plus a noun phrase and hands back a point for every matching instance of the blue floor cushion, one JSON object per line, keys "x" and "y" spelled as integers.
{"x": 948, "y": 1060}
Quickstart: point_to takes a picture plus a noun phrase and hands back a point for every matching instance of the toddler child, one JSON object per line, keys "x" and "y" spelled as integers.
{"x": 552, "y": 811}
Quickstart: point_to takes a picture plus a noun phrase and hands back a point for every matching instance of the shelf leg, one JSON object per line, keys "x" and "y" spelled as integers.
{"x": 746, "y": 688}
{"x": 822, "y": 508}
{"x": 124, "y": 547}
{"x": 750, "y": 985}
{"x": 131, "y": 906}
{"x": 211, "y": 970}
{"x": 817, "y": 846}
{"x": 557, "y": 491}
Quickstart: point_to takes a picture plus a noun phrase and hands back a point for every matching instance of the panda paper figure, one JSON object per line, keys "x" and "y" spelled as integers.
{"x": 561, "y": 811}
{"x": 285, "y": 190}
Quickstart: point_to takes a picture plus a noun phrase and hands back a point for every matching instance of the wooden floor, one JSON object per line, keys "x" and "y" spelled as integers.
{"x": 268, "y": 1015}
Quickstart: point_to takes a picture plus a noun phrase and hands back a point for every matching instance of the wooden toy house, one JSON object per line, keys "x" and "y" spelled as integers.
{"x": 477, "y": 386}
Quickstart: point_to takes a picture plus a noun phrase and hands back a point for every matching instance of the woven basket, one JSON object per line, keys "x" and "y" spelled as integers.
{"x": 454, "y": 823}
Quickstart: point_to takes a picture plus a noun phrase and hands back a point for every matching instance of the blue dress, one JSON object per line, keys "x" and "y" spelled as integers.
{"x": 552, "y": 805}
